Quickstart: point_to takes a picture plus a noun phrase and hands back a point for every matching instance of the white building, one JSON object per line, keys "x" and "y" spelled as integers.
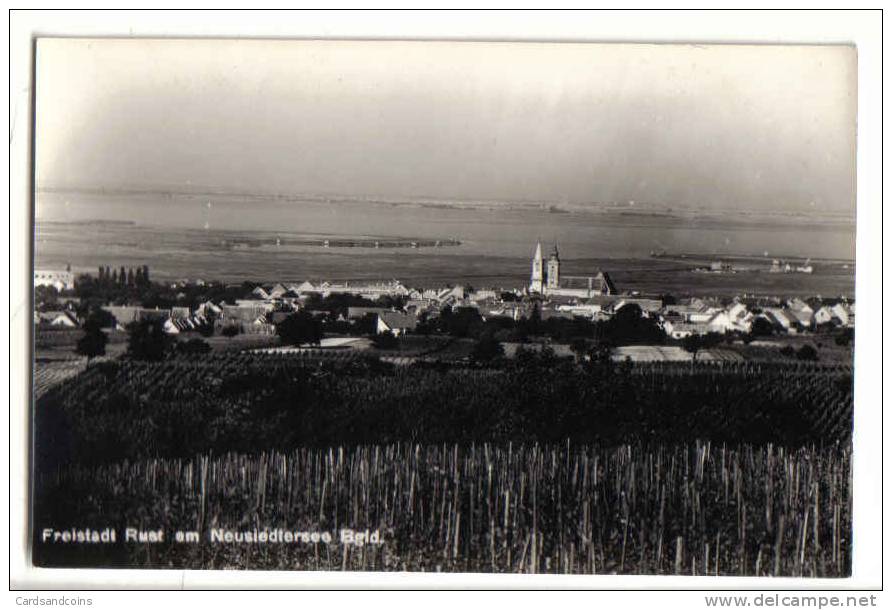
{"x": 60, "y": 280}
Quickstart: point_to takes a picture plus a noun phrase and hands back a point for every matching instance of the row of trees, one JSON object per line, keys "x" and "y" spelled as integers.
{"x": 126, "y": 277}
{"x": 627, "y": 327}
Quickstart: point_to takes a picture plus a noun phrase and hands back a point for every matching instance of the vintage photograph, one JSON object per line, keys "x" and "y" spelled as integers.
{"x": 473, "y": 307}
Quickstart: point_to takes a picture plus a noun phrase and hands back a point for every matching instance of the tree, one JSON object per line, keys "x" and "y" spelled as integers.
{"x": 299, "y": 328}
{"x": 93, "y": 342}
{"x": 122, "y": 276}
{"x": 207, "y": 329}
{"x": 385, "y": 340}
{"x": 761, "y": 328}
{"x": 130, "y": 277}
{"x": 579, "y": 347}
{"x": 629, "y": 326}
{"x": 694, "y": 343}
{"x": 535, "y": 321}
{"x": 147, "y": 340}
{"x": 101, "y": 317}
{"x": 487, "y": 348}
{"x": 461, "y": 322}
{"x": 230, "y": 330}
{"x": 145, "y": 274}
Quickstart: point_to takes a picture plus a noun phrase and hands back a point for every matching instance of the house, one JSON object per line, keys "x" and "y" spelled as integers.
{"x": 255, "y": 304}
{"x": 123, "y": 315}
{"x": 801, "y": 319}
{"x": 844, "y": 313}
{"x": 581, "y": 309}
{"x": 126, "y": 314}
{"x": 369, "y": 291}
{"x": 696, "y": 312}
{"x": 305, "y": 287}
{"x": 260, "y": 293}
{"x": 277, "y": 292}
{"x": 648, "y": 306}
{"x": 507, "y": 310}
{"x": 243, "y": 313}
{"x": 797, "y": 304}
{"x": 420, "y": 306}
{"x": 826, "y": 315}
{"x": 451, "y": 295}
{"x": 720, "y": 322}
{"x": 680, "y": 330}
{"x": 395, "y": 322}
{"x": 741, "y": 318}
{"x": 483, "y": 295}
{"x": 58, "y": 319}
{"x": 209, "y": 309}
{"x": 782, "y": 319}
{"x": 180, "y": 312}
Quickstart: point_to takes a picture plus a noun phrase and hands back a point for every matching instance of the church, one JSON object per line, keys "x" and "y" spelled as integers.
{"x": 546, "y": 279}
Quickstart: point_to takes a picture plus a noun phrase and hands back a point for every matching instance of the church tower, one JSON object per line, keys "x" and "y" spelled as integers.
{"x": 537, "y": 276}
{"x": 554, "y": 269}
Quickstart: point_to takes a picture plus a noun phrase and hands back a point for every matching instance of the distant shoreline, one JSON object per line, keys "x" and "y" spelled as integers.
{"x": 626, "y": 210}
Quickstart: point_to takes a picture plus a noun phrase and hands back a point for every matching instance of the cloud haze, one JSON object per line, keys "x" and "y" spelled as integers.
{"x": 727, "y": 127}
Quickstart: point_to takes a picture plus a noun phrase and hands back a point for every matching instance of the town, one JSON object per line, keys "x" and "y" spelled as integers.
{"x": 569, "y": 314}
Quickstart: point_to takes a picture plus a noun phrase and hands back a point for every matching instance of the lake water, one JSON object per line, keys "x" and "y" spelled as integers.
{"x": 235, "y": 238}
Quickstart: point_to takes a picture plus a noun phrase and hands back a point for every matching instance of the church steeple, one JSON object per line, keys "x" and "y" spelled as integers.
{"x": 554, "y": 269}
{"x": 537, "y": 276}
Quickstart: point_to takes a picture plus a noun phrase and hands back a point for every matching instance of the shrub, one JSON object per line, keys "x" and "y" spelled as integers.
{"x": 807, "y": 352}
{"x": 487, "y": 348}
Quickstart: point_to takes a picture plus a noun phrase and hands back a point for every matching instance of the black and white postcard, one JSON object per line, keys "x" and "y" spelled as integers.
{"x": 464, "y": 307}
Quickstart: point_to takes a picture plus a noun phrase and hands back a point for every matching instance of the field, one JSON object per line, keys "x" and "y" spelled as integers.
{"x": 49, "y": 373}
{"x": 540, "y": 465}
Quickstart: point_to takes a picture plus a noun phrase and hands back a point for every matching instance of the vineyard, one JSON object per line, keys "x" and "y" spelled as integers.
{"x": 538, "y": 464}
{"x": 697, "y": 509}
{"x": 248, "y": 402}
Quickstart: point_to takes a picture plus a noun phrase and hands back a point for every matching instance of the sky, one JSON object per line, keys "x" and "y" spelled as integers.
{"x": 721, "y": 127}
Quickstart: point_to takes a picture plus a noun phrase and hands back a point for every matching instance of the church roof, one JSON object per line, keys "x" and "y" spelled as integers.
{"x": 538, "y": 253}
